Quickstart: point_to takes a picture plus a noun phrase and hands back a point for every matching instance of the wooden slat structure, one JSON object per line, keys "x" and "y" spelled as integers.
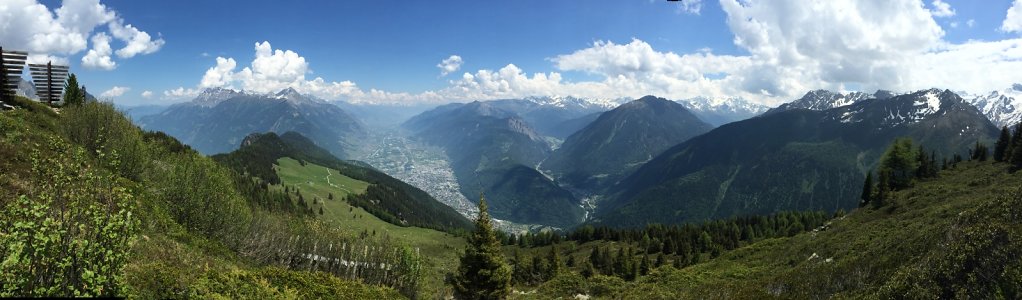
{"x": 12, "y": 63}
{"x": 49, "y": 81}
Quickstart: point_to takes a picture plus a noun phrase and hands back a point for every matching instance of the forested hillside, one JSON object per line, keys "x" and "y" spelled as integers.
{"x": 954, "y": 234}
{"x": 387, "y": 198}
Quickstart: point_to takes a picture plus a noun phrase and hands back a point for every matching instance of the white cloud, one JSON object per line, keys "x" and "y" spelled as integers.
{"x": 54, "y": 35}
{"x": 147, "y": 94}
{"x": 99, "y": 56}
{"x": 942, "y": 9}
{"x": 449, "y": 65}
{"x": 219, "y": 75}
{"x": 970, "y": 23}
{"x": 690, "y": 6}
{"x": 180, "y": 94}
{"x": 1013, "y": 20}
{"x": 114, "y": 92}
{"x": 136, "y": 41}
{"x": 953, "y": 24}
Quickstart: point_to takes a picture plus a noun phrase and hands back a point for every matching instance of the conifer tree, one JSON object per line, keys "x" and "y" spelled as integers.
{"x": 1002, "y": 144}
{"x": 482, "y": 274}
{"x": 867, "y": 190}
{"x": 883, "y": 189}
{"x": 1016, "y": 136}
{"x": 555, "y": 263}
{"x": 660, "y": 259}
{"x": 73, "y": 94}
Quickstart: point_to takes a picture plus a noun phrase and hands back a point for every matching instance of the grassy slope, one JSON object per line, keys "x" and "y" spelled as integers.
{"x": 164, "y": 259}
{"x": 953, "y": 237}
{"x": 439, "y": 249}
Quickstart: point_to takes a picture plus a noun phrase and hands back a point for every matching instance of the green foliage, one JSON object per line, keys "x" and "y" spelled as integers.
{"x": 1003, "y": 141}
{"x": 200, "y": 195}
{"x": 73, "y": 93}
{"x": 900, "y": 161}
{"x": 68, "y": 237}
{"x": 105, "y": 132}
{"x": 867, "y": 190}
{"x": 482, "y": 274}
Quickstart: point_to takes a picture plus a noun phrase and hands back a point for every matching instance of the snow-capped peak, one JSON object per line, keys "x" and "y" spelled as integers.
{"x": 570, "y": 101}
{"x": 723, "y": 104}
{"x": 1003, "y": 108}
{"x": 213, "y": 96}
{"x": 288, "y": 93}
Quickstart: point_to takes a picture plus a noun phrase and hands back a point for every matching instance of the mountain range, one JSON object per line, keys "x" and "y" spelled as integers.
{"x": 794, "y": 159}
{"x": 722, "y": 110}
{"x": 219, "y": 119}
{"x": 1004, "y": 107}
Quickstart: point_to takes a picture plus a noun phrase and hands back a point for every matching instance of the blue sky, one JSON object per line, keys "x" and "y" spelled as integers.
{"x": 394, "y": 46}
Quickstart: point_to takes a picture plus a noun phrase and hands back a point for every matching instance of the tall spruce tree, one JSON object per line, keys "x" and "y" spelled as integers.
{"x": 867, "y": 190}
{"x": 73, "y": 93}
{"x": 883, "y": 189}
{"x": 1002, "y": 144}
{"x": 483, "y": 274}
{"x": 1016, "y": 136}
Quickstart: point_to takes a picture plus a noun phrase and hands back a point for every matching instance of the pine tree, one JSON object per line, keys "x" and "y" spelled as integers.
{"x": 482, "y": 274}
{"x": 73, "y": 94}
{"x": 660, "y": 259}
{"x": 570, "y": 262}
{"x": 1002, "y": 144}
{"x": 1016, "y": 136}
{"x": 1016, "y": 154}
{"x": 555, "y": 263}
{"x": 867, "y": 190}
{"x": 883, "y": 189}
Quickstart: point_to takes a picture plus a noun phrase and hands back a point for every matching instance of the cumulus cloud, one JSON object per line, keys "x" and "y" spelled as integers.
{"x": 99, "y": 56}
{"x": 942, "y": 9}
{"x": 54, "y": 35}
{"x": 114, "y": 92}
{"x": 449, "y": 65}
{"x": 1013, "y": 20}
{"x": 219, "y": 75}
{"x": 136, "y": 41}
{"x": 147, "y": 94}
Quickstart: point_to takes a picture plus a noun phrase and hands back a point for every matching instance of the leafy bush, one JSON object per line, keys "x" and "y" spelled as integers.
{"x": 104, "y": 131}
{"x": 200, "y": 195}
{"x": 70, "y": 236}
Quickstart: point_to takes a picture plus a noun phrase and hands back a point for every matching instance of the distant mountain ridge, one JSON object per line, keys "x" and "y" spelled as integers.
{"x": 824, "y": 100}
{"x": 795, "y": 159}
{"x": 621, "y": 140}
{"x": 722, "y": 110}
{"x": 219, "y": 119}
{"x": 1003, "y": 107}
